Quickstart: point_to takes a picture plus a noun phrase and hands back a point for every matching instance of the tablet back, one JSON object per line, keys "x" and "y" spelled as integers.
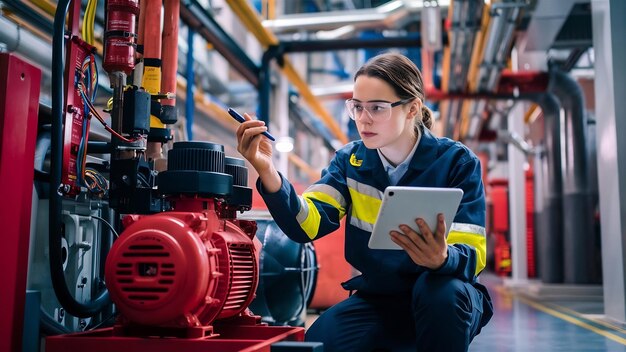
{"x": 402, "y": 205}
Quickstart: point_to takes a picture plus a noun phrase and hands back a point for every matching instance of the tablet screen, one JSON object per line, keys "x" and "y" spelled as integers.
{"x": 402, "y": 205}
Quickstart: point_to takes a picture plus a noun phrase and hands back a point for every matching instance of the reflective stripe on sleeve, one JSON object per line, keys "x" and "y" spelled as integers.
{"x": 474, "y": 236}
{"x": 327, "y": 194}
{"x": 309, "y": 216}
{"x": 366, "y": 201}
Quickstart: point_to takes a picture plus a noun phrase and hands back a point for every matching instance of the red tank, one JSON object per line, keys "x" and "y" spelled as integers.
{"x": 119, "y": 45}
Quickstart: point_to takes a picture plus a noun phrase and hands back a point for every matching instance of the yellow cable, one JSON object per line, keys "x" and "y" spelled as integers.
{"x": 92, "y": 19}
{"x": 83, "y": 28}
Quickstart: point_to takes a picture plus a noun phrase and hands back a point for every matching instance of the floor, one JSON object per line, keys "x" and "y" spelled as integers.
{"x": 539, "y": 317}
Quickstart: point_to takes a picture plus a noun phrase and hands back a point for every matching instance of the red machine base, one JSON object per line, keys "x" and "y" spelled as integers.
{"x": 230, "y": 339}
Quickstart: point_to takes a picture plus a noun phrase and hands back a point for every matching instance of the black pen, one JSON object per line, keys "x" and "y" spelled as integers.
{"x": 237, "y": 116}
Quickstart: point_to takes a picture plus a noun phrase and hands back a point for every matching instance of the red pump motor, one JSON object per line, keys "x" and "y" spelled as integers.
{"x": 186, "y": 268}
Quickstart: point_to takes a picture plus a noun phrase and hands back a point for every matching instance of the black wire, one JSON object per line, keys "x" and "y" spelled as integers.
{"x": 69, "y": 303}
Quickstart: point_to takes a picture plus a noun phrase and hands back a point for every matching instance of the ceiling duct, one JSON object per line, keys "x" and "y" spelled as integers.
{"x": 394, "y": 14}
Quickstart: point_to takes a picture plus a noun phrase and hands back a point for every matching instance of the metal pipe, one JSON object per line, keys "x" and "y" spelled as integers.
{"x": 391, "y": 14}
{"x": 25, "y": 43}
{"x": 304, "y": 46}
{"x": 266, "y": 38}
{"x": 549, "y": 222}
{"x": 196, "y": 17}
{"x": 189, "y": 74}
{"x": 578, "y": 247}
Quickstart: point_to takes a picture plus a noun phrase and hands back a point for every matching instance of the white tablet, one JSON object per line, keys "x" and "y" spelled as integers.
{"x": 402, "y": 205}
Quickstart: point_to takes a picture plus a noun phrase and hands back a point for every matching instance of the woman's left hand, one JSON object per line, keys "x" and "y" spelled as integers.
{"x": 427, "y": 249}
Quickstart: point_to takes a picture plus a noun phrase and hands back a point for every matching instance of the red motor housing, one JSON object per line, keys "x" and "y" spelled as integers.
{"x": 119, "y": 49}
{"x": 180, "y": 269}
{"x": 191, "y": 266}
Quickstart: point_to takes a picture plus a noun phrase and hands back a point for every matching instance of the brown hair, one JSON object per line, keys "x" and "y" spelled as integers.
{"x": 402, "y": 75}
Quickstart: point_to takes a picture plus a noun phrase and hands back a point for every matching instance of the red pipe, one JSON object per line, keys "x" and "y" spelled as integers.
{"x": 152, "y": 31}
{"x": 170, "y": 50}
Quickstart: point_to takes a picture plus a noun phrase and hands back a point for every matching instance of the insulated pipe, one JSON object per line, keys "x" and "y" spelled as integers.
{"x": 548, "y": 189}
{"x": 169, "y": 55}
{"x": 25, "y": 43}
{"x": 579, "y": 263}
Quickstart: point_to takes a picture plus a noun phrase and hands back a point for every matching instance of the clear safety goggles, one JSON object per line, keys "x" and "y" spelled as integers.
{"x": 377, "y": 110}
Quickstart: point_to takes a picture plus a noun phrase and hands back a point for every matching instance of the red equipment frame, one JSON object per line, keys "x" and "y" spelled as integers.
{"x": 231, "y": 338}
{"x": 19, "y": 106}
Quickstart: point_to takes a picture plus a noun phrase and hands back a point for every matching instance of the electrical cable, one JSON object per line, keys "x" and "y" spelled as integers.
{"x": 108, "y": 225}
{"x": 59, "y": 284}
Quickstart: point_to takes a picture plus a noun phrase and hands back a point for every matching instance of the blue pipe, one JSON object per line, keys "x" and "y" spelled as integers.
{"x": 189, "y": 75}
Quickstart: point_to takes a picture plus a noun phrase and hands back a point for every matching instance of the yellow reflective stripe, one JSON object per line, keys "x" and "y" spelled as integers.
{"x": 364, "y": 207}
{"x": 311, "y": 223}
{"x": 476, "y": 240}
{"x": 329, "y": 195}
{"x": 364, "y": 189}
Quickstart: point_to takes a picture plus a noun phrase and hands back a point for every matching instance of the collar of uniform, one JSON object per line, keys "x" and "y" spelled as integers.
{"x": 369, "y": 156}
{"x": 426, "y": 152}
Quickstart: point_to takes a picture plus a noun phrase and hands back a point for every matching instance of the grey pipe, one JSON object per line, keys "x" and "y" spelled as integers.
{"x": 579, "y": 230}
{"x": 548, "y": 213}
{"x": 25, "y": 43}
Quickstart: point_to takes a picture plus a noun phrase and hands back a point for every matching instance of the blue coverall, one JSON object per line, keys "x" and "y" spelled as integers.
{"x": 398, "y": 305}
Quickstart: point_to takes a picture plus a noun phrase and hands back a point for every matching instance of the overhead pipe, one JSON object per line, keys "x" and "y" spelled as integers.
{"x": 391, "y": 14}
{"x": 26, "y": 12}
{"x": 24, "y": 43}
{"x": 197, "y": 18}
{"x": 580, "y": 264}
{"x": 250, "y": 19}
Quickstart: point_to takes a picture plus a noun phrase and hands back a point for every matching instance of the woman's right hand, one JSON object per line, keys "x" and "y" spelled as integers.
{"x": 253, "y": 146}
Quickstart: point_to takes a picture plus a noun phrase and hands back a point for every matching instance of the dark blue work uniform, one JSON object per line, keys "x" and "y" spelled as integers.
{"x": 398, "y": 305}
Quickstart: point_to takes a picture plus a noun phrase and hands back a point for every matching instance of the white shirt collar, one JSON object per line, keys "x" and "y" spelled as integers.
{"x": 387, "y": 165}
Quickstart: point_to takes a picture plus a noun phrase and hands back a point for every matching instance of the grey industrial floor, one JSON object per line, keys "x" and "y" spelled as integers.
{"x": 537, "y": 317}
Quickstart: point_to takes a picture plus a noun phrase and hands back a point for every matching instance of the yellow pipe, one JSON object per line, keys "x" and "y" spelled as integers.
{"x": 313, "y": 174}
{"x": 474, "y": 67}
{"x": 45, "y": 5}
{"x": 307, "y": 95}
{"x": 271, "y": 9}
{"x": 478, "y": 49}
{"x": 250, "y": 19}
{"x": 532, "y": 114}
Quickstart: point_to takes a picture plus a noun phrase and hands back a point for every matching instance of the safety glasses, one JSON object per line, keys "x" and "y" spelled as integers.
{"x": 377, "y": 110}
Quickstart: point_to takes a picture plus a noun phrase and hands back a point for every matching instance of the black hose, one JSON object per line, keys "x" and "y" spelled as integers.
{"x": 69, "y": 303}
